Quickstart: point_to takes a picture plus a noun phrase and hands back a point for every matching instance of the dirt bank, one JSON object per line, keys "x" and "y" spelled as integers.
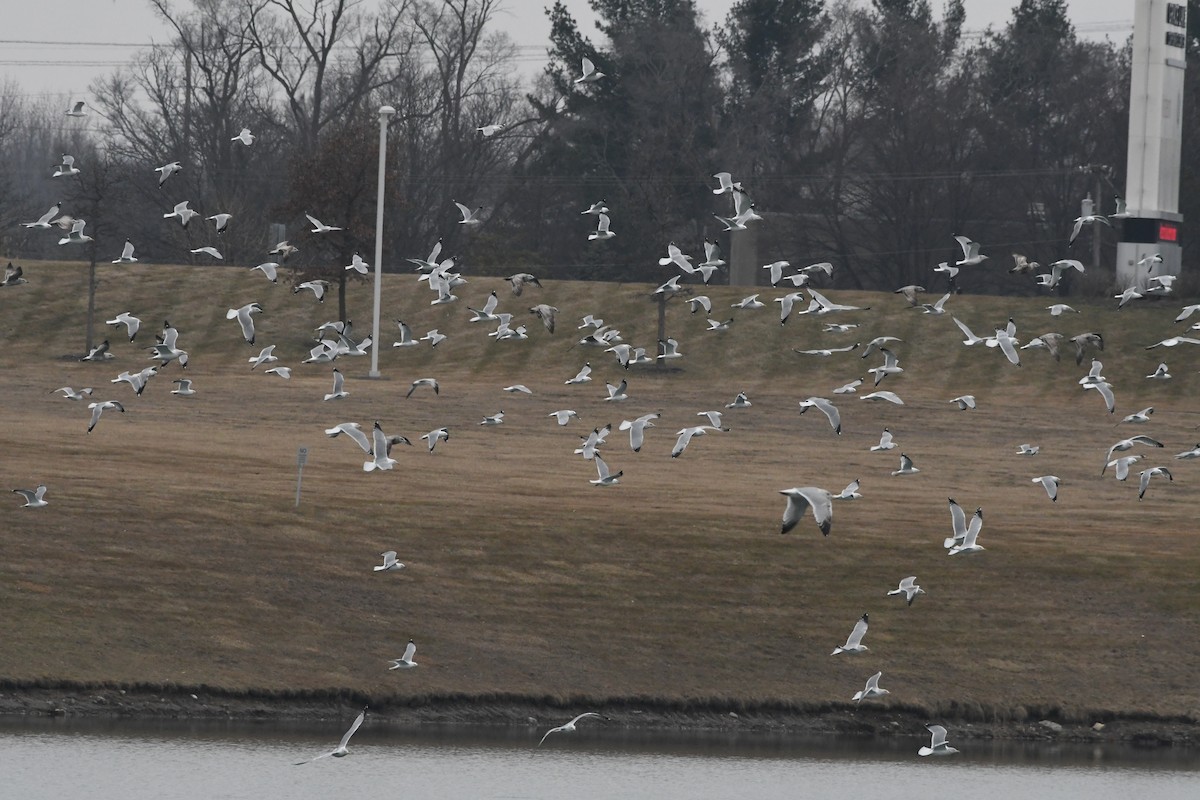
{"x": 880, "y": 720}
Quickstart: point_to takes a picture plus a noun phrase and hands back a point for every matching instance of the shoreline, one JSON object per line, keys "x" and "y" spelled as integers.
{"x": 84, "y": 701}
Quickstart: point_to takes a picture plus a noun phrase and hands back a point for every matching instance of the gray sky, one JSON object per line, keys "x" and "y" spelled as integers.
{"x": 66, "y": 69}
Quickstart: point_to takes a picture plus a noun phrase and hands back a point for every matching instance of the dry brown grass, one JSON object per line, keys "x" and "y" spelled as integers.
{"x": 171, "y": 551}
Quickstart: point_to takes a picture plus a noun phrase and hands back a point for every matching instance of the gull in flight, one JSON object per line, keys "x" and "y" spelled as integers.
{"x": 590, "y": 73}
{"x": 1160, "y": 373}
{"x": 283, "y": 250}
{"x": 338, "y": 392}
{"x": 849, "y": 388}
{"x": 494, "y": 419}
{"x": 583, "y": 376}
{"x": 358, "y": 265}
{"x": 182, "y": 213}
{"x": 137, "y": 380}
{"x": 909, "y": 588}
{"x": 1086, "y": 219}
{"x": 906, "y": 466}
{"x": 850, "y": 492}
{"x": 546, "y": 313}
{"x": 76, "y": 236}
{"x": 469, "y": 218}
{"x": 871, "y": 690}
{"x": 678, "y": 258}
{"x": 283, "y": 372}
{"x": 98, "y": 408}
{"x": 1121, "y": 465}
{"x": 717, "y": 325}
{"x": 1146, "y": 475}
{"x": 420, "y": 382}
{"x": 489, "y": 130}
{"x": 1047, "y": 341}
{"x": 1050, "y": 484}
{"x": 1058, "y": 309}
{"x": 265, "y": 356}
{"x": 269, "y": 268}
{"x": 434, "y": 338}
{"x": 910, "y": 293}
{"x": 885, "y": 442}
{"x": 166, "y": 171}
{"x": 406, "y": 661}
{"x": 971, "y": 255}
{"x": 185, "y": 388}
{"x": 937, "y": 743}
{"x": 749, "y": 303}
{"x": 883, "y": 394}
{"x": 320, "y": 227}
{"x": 800, "y": 499}
{"x": 390, "y": 564}
{"x": 245, "y": 137}
{"x": 66, "y": 168}
{"x": 1140, "y": 417}
{"x": 727, "y": 184}
{"x": 1128, "y": 444}
{"x": 593, "y": 441}
{"x": 71, "y": 394}
{"x": 854, "y": 640}
{"x": 221, "y": 221}
{"x": 969, "y": 544}
{"x": 564, "y": 416}
{"x": 488, "y": 312}
{"x": 617, "y": 393}
{"x": 570, "y": 726}
{"x": 685, "y": 437}
{"x": 341, "y": 750}
{"x": 971, "y": 339}
{"x": 77, "y": 110}
{"x": 827, "y": 306}
{"x": 636, "y": 428}
{"x": 602, "y": 231}
{"x": 34, "y": 498}
{"x": 964, "y": 401}
{"x": 43, "y": 222}
{"x": 670, "y": 349}
{"x": 1084, "y": 341}
{"x": 132, "y": 324}
{"x": 741, "y": 401}
{"x": 433, "y": 436}
{"x": 890, "y": 366}
{"x": 604, "y": 477}
{"x": 776, "y": 270}
{"x": 1188, "y": 454}
{"x": 209, "y": 251}
{"x": 518, "y": 387}
{"x": 958, "y": 522}
{"x": 938, "y": 308}
{"x": 245, "y": 320}
{"x": 1028, "y": 449}
{"x": 700, "y": 301}
{"x": 828, "y": 351}
{"x": 825, "y": 407}
{"x": 522, "y": 279}
{"x": 598, "y": 207}
{"x": 354, "y": 431}
{"x": 126, "y": 256}
{"x": 1174, "y": 341}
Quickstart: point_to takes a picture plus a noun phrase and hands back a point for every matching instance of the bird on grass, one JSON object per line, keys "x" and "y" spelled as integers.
{"x": 341, "y": 750}
{"x": 570, "y": 726}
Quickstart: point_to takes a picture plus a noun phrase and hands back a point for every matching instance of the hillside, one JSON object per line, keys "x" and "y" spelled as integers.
{"x": 171, "y": 550}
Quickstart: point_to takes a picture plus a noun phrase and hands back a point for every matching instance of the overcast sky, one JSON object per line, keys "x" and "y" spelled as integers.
{"x": 31, "y": 52}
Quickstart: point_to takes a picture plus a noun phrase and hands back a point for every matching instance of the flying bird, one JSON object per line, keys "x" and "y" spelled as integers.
{"x": 406, "y": 661}
{"x": 1050, "y": 484}
{"x": 871, "y": 690}
{"x": 909, "y": 588}
{"x": 34, "y": 498}
{"x": 800, "y": 499}
{"x": 245, "y": 137}
{"x": 590, "y": 74}
{"x": 854, "y": 640}
{"x": 570, "y": 726}
{"x": 937, "y": 743}
{"x": 341, "y": 750}
{"x": 390, "y": 564}
{"x": 98, "y": 408}
{"x": 245, "y": 320}
{"x": 320, "y": 227}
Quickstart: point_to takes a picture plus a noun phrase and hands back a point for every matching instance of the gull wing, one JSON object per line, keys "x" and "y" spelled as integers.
{"x": 354, "y": 726}
{"x": 856, "y": 635}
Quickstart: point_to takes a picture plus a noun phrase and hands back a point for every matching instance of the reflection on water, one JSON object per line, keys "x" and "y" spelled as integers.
{"x": 124, "y": 759}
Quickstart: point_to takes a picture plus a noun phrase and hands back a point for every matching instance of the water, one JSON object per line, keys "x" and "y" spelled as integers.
{"x": 123, "y": 760}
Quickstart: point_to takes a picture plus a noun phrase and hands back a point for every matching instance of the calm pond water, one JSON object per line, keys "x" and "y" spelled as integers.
{"x": 122, "y": 760}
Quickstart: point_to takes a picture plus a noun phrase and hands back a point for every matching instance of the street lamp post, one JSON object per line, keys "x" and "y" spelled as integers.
{"x": 385, "y": 114}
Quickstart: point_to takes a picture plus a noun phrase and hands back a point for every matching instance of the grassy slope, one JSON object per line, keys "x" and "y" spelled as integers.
{"x": 171, "y": 550}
